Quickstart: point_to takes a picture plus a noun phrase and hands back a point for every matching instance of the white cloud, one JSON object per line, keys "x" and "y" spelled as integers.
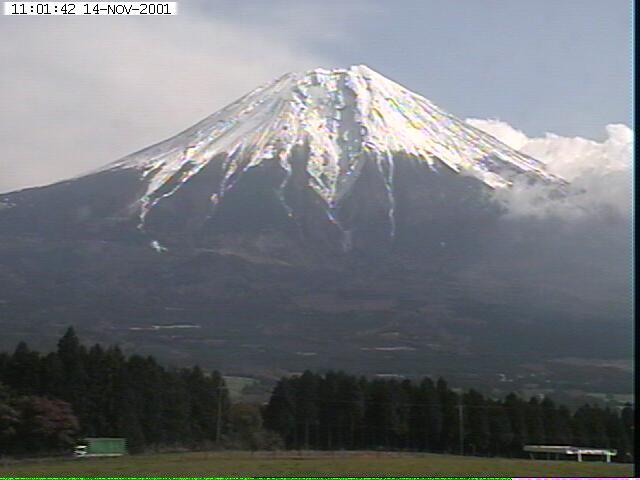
{"x": 599, "y": 172}
{"x": 77, "y": 93}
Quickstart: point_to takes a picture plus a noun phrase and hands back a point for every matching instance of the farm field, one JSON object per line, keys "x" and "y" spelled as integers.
{"x": 310, "y": 464}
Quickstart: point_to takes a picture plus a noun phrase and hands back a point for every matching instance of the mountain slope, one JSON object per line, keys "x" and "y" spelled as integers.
{"x": 319, "y": 129}
{"x": 329, "y": 219}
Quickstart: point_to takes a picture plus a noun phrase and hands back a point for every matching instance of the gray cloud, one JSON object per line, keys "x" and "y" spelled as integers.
{"x": 79, "y": 93}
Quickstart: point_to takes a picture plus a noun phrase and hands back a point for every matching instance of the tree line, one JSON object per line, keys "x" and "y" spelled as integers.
{"x": 50, "y": 401}
{"x": 341, "y": 411}
{"x": 98, "y": 392}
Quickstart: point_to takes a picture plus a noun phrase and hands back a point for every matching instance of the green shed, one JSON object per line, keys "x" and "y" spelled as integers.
{"x": 103, "y": 447}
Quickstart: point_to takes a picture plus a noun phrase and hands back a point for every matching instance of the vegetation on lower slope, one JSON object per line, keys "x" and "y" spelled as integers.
{"x": 341, "y": 411}
{"x": 50, "y": 401}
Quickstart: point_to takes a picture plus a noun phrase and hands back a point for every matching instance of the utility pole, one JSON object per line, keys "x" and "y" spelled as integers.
{"x": 461, "y": 426}
{"x": 219, "y": 414}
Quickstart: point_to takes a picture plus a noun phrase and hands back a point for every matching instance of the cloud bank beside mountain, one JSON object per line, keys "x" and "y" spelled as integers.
{"x": 599, "y": 172}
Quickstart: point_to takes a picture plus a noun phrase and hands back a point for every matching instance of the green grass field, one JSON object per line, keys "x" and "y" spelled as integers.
{"x": 310, "y": 464}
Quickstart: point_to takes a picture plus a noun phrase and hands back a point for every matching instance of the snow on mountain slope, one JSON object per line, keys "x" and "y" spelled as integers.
{"x": 344, "y": 117}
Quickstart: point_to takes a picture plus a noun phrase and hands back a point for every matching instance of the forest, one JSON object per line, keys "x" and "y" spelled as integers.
{"x": 341, "y": 411}
{"x": 50, "y": 401}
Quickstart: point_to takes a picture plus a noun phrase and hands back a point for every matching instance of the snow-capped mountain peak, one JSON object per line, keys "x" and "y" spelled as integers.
{"x": 344, "y": 117}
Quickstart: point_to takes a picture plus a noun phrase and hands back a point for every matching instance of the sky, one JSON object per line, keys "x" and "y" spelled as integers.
{"x": 77, "y": 93}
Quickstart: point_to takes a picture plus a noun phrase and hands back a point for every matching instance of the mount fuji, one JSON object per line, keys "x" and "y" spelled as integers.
{"x": 312, "y": 138}
{"x": 327, "y": 219}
